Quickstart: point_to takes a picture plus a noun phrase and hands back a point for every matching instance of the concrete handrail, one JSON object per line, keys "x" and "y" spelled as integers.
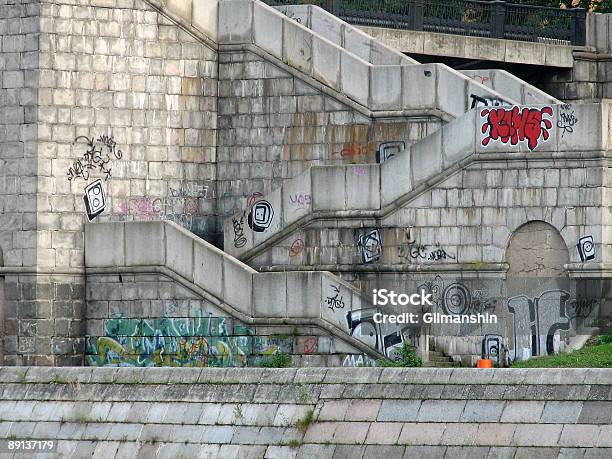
{"x": 337, "y": 190}
{"x": 237, "y": 289}
{"x": 509, "y": 85}
{"x": 345, "y": 35}
{"x": 399, "y": 87}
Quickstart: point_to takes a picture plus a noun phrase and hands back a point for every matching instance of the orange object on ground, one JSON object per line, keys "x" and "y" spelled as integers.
{"x": 484, "y": 363}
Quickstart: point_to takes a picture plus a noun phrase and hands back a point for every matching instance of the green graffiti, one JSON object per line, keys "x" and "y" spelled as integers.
{"x": 193, "y": 341}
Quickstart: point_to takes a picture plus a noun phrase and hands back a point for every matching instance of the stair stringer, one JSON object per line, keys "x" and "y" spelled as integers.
{"x": 335, "y": 190}
{"x": 294, "y": 298}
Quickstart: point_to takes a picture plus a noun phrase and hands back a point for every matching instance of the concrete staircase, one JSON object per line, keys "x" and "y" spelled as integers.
{"x": 439, "y": 360}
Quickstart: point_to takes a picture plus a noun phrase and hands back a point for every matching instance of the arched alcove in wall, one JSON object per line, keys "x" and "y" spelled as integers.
{"x": 537, "y": 287}
{"x": 537, "y": 250}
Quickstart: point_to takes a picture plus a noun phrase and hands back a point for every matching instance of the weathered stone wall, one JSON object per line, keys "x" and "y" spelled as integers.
{"x": 305, "y": 413}
{"x": 273, "y": 126}
{"x": 151, "y": 320}
{"x": 95, "y": 91}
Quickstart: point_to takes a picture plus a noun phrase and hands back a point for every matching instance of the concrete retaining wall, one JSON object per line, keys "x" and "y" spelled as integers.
{"x": 335, "y": 190}
{"x": 395, "y": 413}
{"x": 156, "y": 266}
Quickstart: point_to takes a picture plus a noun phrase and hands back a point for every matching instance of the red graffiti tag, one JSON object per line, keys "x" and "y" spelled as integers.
{"x": 296, "y": 248}
{"x": 310, "y": 345}
{"x": 354, "y": 149}
{"x": 516, "y": 125}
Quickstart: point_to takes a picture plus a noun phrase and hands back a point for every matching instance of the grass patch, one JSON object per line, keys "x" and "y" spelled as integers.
{"x": 303, "y": 423}
{"x": 279, "y": 360}
{"x": 594, "y": 356}
{"x": 407, "y": 358}
{"x": 294, "y": 443}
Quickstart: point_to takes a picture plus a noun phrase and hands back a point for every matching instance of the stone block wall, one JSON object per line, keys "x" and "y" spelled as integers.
{"x": 305, "y": 413}
{"x": 151, "y": 320}
{"x": 273, "y": 126}
{"x": 105, "y": 96}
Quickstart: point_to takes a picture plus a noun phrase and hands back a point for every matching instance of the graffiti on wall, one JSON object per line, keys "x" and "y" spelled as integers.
{"x": 536, "y": 321}
{"x": 358, "y": 360}
{"x": 582, "y": 308}
{"x": 514, "y": 125}
{"x": 456, "y": 298}
{"x": 94, "y": 199}
{"x": 310, "y": 345}
{"x": 335, "y": 300}
{"x": 93, "y": 157}
{"x": 485, "y": 101}
{"x": 195, "y": 341}
{"x": 414, "y": 252}
{"x": 179, "y": 210}
{"x": 296, "y": 248}
{"x": 232, "y": 202}
{"x": 385, "y": 338}
{"x": 202, "y": 190}
{"x": 370, "y": 246}
{"x": 274, "y": 344}
{"x": 240, "y": 239}
{"x": 567, "y": 119}
{"x": 388, "y": 150}
{"x": 260, "y": 216}
{"x": 354, "y": 149}
{"x": 586, "y": 248}
{"x": 493, "y": 348}
{"x": 481, "y": 79}
{"x": 384, "y": 150}
{"x": 301, "y": 200}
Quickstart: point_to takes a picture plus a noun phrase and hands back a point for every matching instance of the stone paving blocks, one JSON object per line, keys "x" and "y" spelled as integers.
{"x": 522, "y": 411}
{"x": 363, "y": 410}
{"x": 441, "y": 410}
{"x": 579, "y": 435}
{"x": 322, "y": 432}
{"x": 482, "y": 411}
{"x": 334, "y": 410}
{"x": 384, "y": 451}
{"x": 460, "y": 434}
{"x": 537, "y": 434}
{"x": 422, "y": 433}
{"x": 399, "y": 410}
{"x": 384, "y": 433}
{"x": 561, "y": 412}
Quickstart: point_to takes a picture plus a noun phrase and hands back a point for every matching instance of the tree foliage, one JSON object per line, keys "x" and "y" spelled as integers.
{"x": 598, "y": 6}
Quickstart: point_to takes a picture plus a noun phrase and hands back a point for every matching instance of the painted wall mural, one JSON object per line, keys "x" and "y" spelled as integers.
{"x": 198, "y": 341}
{"x": 514, "y": 125}
{"x": 536, "y": 322}
{"x": 456, "y": 298}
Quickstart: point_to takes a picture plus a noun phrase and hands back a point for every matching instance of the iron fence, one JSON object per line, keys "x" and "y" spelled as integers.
{"x": 492, "y": 19}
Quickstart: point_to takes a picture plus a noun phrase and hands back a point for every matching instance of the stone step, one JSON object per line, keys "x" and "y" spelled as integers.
{"x": 440, "y": 359}
{"x": 446, "y": 364}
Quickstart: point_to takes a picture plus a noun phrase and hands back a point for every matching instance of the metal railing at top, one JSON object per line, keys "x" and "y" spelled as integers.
{"x": 491, "y": 19}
